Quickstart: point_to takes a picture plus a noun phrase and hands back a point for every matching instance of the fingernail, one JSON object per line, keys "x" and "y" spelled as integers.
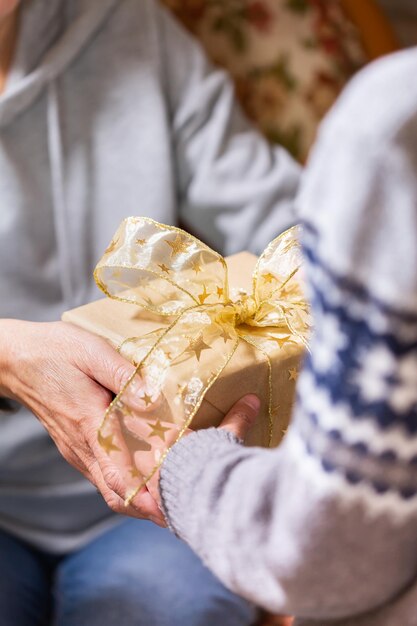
{"x": 252, "y": 401}
{"x": 158, "y": 521}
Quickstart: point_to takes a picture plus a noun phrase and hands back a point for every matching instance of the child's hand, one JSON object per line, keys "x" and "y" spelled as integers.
{"x": 238, "y": 421}
{"x": 242, "y": 416}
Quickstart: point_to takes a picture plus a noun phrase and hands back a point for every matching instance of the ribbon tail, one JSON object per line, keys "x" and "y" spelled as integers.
{"x": 299, "y": 330}
{"x": 160, "y": 400}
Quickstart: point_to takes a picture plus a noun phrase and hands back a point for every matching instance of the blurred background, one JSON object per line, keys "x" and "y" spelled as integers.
{"x": 291, "y": 58}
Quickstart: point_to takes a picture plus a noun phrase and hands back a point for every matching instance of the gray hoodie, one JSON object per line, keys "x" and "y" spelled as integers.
{"x": 110, "y": 110}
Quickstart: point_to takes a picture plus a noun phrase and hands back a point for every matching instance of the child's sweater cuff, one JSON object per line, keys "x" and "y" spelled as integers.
{"x": 181, "y": 471}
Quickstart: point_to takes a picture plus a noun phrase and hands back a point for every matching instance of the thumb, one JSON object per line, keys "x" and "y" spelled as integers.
{"x": 106, "y": 366}
{"x": 242, "y": 416}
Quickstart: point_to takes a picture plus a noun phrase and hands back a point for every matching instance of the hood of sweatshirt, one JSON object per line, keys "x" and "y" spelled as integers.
{"x": 51, "y": 34}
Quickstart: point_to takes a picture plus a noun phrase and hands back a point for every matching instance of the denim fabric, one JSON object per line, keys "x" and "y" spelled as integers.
{"x": 136, "y": 574}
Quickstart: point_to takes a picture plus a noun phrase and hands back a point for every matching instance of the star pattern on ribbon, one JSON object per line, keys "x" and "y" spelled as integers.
{"x": 107, "y": 443}
{"x": 268, "y": 277}
{"x": 179, "y": 277}
{"x": 112, "y": 246}
{"x": 293, "y": 374}
{"x": 203, "y": 295}
{"x": 147, "y": 399}
{"x": 157, "y": 430}
{"x": 134, "y": 472}
{"x": 179, "y": 245}
{"x": 225, "y": 335}
{"x": 197, "y": 345}
{"x": 196, "y": 265}
{"x": 281, "y": 341}
{"x": 181, "y": 389}
{"x": 164, "y": 268}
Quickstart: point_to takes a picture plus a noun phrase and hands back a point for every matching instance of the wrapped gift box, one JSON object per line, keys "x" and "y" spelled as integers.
{"x": 247, "y": 371}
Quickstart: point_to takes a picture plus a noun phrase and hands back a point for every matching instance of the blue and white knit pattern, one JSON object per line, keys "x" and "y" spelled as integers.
{"x": 357, "y": 397}
{"x": 325, "y": 526}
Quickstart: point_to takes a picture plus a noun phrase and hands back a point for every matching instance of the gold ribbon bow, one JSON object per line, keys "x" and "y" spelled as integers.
{"x": 171, "y": 273}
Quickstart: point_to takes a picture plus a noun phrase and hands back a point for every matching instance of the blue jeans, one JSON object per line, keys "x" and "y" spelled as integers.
{"x": 136, "y": 574}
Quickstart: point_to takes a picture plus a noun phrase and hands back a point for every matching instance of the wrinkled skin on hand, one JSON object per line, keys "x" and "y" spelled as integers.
{"x": 67, "y": 377}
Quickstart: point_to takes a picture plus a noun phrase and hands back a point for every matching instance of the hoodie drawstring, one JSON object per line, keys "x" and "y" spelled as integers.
{"x": 58, "y": 194}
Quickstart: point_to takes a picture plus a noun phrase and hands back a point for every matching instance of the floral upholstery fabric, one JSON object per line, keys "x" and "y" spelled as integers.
{"x": 289, "y": 58}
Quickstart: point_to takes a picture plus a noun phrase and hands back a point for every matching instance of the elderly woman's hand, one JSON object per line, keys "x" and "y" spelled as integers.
{"x": 67, "y": 377}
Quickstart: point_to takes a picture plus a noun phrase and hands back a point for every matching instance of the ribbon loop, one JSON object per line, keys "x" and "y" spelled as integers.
{"x": 161, "y": 268}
